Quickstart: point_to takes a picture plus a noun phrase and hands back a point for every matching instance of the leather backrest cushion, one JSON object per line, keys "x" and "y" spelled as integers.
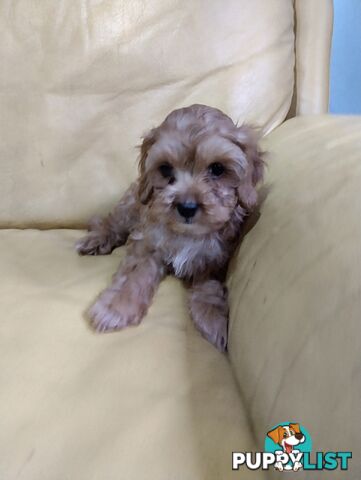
{"x": 80, "y": 82}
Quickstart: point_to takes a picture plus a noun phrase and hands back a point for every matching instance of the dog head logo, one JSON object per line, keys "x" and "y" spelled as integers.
{"x": 288, "y": 441}
{"x": 287, "y": 436}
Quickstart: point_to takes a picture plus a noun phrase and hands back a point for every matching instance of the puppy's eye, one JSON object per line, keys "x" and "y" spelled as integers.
{"x": 285, "y": 435}
{"x": 166, "y": 170}
{"x": 216, "y": 169}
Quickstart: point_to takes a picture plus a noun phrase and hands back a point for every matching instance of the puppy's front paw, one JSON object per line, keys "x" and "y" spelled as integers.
{"x": 112, "y": 311}
{"x": 215, "y": 330}
{"x": 209, "y": 310}
{"x": 95, "y": 243}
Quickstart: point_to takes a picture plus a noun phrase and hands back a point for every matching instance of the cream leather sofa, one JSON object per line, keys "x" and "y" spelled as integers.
{"x": 80, "y": 81}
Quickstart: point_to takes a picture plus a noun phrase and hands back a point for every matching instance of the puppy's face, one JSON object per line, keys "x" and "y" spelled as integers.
{"x": 196, "y": 168}
{"x": 287, "y": 436}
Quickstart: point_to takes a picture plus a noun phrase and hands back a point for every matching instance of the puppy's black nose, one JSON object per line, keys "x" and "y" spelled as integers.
{"x": 299, "y": 436}
{"x": 187, "y": 209}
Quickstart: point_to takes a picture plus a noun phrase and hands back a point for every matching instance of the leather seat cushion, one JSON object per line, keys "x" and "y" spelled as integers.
{"x": 154, "y": 401}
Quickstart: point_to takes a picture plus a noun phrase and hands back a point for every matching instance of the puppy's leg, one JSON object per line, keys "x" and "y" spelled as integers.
{"x": 110, "y": 232}
{"x": 209, "y": 310}
{"x": 127, "y": 299}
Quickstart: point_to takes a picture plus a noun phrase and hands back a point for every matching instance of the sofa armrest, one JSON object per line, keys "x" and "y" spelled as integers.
{"x": 295, "y": 300}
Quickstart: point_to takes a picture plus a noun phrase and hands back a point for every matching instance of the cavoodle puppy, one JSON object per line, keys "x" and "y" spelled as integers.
{"x": 197, "y": 177}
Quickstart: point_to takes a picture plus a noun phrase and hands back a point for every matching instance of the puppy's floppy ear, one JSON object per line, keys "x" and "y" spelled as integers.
{"x": 247, "y": 140}
{"x": 296, "y": 427}
{"x": 275, "y": 434}
{"x": 145, "y": 189}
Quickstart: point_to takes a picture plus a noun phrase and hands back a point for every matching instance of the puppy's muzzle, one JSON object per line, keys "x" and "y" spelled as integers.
{"x": 187, "y": 209}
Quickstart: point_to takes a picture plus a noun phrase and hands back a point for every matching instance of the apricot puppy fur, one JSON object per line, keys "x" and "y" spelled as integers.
{"x": 197, "y": 177}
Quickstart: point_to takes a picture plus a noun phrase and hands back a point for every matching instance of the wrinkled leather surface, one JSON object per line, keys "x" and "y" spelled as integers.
{"x": 80, "y": 82}
{"x": 158, "y": 401}
{"x": 152, "y": 402}
{"x": 295, "y": 298}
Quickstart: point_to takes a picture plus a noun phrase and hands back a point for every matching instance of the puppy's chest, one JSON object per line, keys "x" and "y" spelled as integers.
{"x": 192, "y": 257}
